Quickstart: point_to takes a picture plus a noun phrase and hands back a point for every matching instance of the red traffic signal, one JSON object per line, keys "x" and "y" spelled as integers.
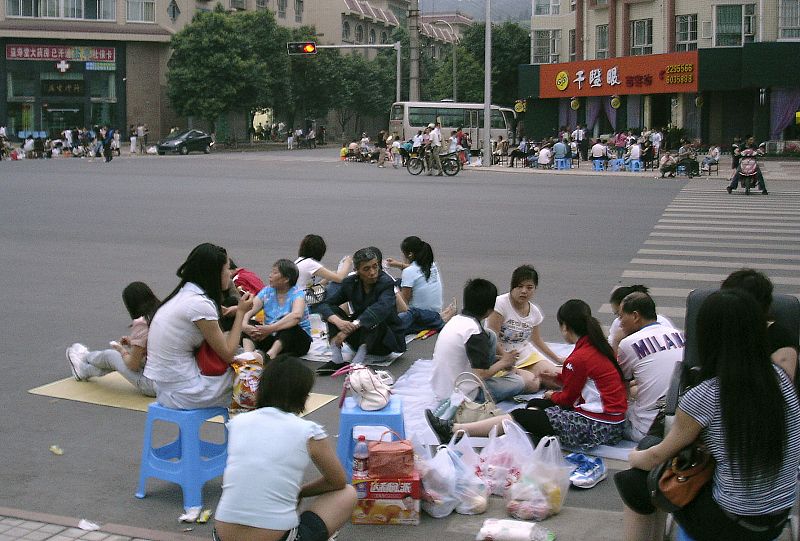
{"x": 302, "y": 47}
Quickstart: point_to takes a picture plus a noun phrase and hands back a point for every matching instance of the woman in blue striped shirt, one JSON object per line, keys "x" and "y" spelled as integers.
{"x": 747, "y": 414}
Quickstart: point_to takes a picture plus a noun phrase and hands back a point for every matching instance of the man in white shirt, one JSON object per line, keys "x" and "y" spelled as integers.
{"x": 655, "y": 138}
{"x": 436, "y": 148}
{"x": 579, "y": 135}
{"x": 648, "y": 355}
{"x": 545, "y": 158}
{"x": 599, "y": 151}
{"x": 634, "y": 153}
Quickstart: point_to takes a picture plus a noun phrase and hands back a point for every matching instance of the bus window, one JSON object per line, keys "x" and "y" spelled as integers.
{"x": 421, "y": 116}
{"x": 498, "y": 122}
{"x": 397, "y": 113}
{"x": 451, "y": 117}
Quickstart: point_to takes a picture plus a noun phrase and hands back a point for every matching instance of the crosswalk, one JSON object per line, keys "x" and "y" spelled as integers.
{"x": 705, "y": 234}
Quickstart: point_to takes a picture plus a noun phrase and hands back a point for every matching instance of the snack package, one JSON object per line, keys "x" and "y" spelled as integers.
{"x": 247, "y": 374}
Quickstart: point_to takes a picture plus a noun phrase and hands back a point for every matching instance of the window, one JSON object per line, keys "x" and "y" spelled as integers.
{"x": 359, "y": 34}
{"x": 19, "y": 8}
{"x": 789, "y": 19}
{"x": 106, "y": 9}
{"x": 282, "y": 9}
{"x": 641, "y": 37}
{"x": 572, "y": 55}
{"x": 547, "y": 7}
{"x": 173, "y": 11}
{"x": 572, "y": 4}
{"x": 384, "y": 37}
{"x": 736, "y": 24}
{"x": 142, "y": 11}
{"x": 372, "y": 37}
{"x": 601, "y": 41}
{"x": 298, "y": 11}
{"x": 545, "y": 46}
{"x": 22, "y": 84}
{"x": 346, "y": 31}
{"x": 237, "y": 4}
{"x": 686, "y": 32}
{"x": 261, "y": 4}
{"x": 49, "y": 8}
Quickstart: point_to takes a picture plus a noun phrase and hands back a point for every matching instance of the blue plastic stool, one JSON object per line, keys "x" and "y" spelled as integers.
{"x": 680, "y": 170}
{"x": 197, "y": 461}
{"x": 617, "y": 165}
{"x": 562, "y": 163}
{"x": 635, "y": 165}
{"x": 598, "y": 165}
{"x": 352, "y": 415}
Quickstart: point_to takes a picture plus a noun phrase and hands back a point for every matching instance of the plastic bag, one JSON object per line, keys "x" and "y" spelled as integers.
{"x": 439, "y": 485}
{"x": 544, "y": 484}
{"x": 471, "y": 490}
{"x": 494, "y": 529}
{"x": 465, "y": 450}
{"x": 502, "y": 459}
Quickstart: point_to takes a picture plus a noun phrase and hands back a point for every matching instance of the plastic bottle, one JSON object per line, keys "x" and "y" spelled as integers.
{"x": 361, "y": 458}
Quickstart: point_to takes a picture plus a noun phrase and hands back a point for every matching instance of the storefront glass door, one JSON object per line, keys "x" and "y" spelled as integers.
{"x": 56, "y": 117}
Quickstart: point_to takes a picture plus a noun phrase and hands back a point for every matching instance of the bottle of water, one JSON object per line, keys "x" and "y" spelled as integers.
{"x": 361, "y": 458}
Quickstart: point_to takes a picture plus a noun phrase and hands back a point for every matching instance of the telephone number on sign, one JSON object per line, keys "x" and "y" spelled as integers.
{"x": 680, "y": 68}
{"x": 678, "y": 79}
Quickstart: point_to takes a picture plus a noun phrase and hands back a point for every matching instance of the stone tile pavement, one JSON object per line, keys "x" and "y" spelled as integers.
{"x": 20, "y": 525}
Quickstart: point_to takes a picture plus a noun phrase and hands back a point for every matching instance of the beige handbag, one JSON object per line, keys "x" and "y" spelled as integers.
{"x": 469, "y": 410}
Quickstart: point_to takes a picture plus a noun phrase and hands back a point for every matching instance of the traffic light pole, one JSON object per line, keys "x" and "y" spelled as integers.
{"x": 396, "y": 46}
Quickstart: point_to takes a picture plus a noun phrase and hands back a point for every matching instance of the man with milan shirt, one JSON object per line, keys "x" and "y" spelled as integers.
{"x": 648, "y": 355}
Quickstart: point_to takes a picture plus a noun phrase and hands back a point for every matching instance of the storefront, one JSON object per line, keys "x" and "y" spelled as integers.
{"x": 55, "y": 85}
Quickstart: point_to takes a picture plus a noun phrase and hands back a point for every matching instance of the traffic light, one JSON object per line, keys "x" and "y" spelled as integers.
{"x": 302, "y": 47}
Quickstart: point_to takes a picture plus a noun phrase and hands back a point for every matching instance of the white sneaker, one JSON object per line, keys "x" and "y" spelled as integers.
{"x": 76, "y": 355}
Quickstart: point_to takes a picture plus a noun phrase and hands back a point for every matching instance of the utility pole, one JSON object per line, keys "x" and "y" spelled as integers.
{"x": 487, "y": 89}
{"x": 413, "y": 38}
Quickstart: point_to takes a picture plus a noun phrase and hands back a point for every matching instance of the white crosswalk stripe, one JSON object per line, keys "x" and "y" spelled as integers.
{"x": 705, "y": 234}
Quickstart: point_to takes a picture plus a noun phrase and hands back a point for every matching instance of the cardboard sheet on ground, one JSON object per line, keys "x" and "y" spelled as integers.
{"x": 114, "y": 391}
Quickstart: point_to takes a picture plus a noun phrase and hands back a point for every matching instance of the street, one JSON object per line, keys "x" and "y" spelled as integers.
{"x": 74, "y": 233}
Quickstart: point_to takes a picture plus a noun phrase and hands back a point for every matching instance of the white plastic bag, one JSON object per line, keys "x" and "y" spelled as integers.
{"x": 494, "y": 529}
{"x": 544, "y": 484}
{"x": 502, "y": 459}
{"x": 422, "y": 455}
{"x": 439, "y": 485}
{"x": 471, "y": 491}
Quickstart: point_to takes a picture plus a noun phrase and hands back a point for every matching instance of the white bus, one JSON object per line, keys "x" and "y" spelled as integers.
{"x": 409, "y": 117}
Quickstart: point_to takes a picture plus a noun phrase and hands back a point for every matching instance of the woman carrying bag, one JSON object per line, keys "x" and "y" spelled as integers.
{"x": 746, "y": 413}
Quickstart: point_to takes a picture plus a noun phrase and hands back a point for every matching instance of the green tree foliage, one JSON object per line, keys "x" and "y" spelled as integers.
{"x": 469, "y": 75}
{"x": 227, "y": 61}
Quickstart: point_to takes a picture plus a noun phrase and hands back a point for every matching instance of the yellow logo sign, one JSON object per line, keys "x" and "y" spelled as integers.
{"x": 562, "y": 80}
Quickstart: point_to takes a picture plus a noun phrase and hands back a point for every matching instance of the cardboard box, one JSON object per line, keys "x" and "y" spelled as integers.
{"x": 387, "y": 500}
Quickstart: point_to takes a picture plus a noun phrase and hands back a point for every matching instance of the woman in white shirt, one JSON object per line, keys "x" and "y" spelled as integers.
{"x": 312, "y": 272}
{"x": 262, "y": 487}
{"x": 515, "y": 320}
{"x": 187, "y": 317}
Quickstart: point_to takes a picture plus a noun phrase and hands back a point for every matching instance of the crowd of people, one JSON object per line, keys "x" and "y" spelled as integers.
{"x": 97, "y": 142}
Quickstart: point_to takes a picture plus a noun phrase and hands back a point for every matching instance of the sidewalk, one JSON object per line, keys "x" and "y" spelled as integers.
{"x": 16, "y": 524}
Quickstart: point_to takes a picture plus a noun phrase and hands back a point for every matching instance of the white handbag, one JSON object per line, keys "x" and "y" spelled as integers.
{"x": 370, "y": 390}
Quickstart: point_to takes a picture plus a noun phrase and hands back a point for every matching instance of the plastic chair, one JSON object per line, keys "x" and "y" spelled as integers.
{"x": 598, "y": 165}
{"x": 617, "y": 164}
{"x": 188, "y": 461}
{"x": 635, "y": 165}
{"x": 352, "y": 415}
{"x": 562, "y": 163}
{"x": 681, "y": 170}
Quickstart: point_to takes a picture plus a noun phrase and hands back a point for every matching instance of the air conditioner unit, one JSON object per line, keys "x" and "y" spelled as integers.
{"x": 705, "y": 30}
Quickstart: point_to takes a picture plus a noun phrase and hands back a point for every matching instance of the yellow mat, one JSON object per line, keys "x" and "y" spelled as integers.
{"x": 113, "y": 390}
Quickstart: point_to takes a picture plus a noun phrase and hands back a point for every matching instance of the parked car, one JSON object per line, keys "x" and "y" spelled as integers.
{"x": 186, "y": 141}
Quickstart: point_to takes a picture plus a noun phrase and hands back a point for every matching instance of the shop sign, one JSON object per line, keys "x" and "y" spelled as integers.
{"x": 63, "y": 88}
{"x": 101, "y": 66}
{"x": 649, "y": 74}
{"x": 61, "y": 52}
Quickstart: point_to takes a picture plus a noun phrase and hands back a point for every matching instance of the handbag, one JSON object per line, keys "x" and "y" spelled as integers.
{"x": 469, "y": 410}
{"x": 676, "y": 482}
{"x": 209, "y": 361}
{"x": 391, "y": 458}
{"x": 314, "y": 294}
{"x": 370, "y": 390}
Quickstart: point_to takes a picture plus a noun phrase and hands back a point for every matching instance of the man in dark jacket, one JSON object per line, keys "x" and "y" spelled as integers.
{"x": 374, "y": 326}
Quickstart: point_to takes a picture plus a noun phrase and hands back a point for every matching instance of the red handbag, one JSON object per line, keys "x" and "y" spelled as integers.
{"x": 209, "y": 361}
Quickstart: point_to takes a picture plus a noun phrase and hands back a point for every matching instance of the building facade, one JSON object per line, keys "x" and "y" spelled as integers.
{"x": 715, "y": 68}
{"x": 74, "y": 63}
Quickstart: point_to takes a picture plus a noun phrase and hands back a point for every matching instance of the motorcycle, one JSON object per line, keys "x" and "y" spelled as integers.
{"x": 417, "y": 163}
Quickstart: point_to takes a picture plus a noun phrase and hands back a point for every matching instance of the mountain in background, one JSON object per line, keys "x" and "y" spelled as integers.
{"x": 502, "y": 10}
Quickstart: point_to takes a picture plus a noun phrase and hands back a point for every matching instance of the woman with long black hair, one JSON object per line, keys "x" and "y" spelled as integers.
{"x": 588, "y": 411}
{"x": 187, "y": 317}
{"x": 746, "y": 412}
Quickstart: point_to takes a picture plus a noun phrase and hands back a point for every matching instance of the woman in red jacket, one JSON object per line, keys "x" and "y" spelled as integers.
{"x": 590, "y": 408}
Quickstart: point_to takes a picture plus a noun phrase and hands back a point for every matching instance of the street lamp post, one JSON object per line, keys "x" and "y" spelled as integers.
{"x": 455, "y": 69}
{"x": 487, "y": 89}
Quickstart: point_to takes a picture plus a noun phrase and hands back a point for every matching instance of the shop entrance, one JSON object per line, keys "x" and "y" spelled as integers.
{"x": 56, "y": 117}
{"x": 660, "y": 110}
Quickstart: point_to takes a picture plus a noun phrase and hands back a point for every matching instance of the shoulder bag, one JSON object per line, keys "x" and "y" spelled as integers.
{"x": 470, "y": 410}
{"x": 675, "y": 483}
{"x": 209, "y": 362}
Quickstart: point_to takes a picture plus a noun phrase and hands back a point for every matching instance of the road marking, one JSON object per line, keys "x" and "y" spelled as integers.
{"x": 732, "y": 226}
{"x": 709, "y": 236}
{"x": 699, "y": 277}
{"x": 785, "y": 245}
{"x": 692, "y": 253}
{"x": 771, "y": 222}
{"x": 733, "y": 265}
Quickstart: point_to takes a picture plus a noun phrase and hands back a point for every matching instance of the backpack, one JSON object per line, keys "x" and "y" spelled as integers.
{"x": 370, "y": 390}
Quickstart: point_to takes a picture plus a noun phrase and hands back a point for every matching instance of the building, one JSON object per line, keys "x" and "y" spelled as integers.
{"x": 73, "y": 63}
{"x": 715, "y": 68}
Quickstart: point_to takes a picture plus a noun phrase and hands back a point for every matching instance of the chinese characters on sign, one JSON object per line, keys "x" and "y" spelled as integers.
{"x": 63, "y": 88}
{"x": 650, "y": 74}
{"x": 61, "y": 52}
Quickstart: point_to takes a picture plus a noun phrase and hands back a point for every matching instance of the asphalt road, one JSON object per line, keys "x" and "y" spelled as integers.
{"x": 74, "y": 233}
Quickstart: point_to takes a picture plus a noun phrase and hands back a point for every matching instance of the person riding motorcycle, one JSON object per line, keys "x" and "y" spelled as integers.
{"x": 748, "y": 168}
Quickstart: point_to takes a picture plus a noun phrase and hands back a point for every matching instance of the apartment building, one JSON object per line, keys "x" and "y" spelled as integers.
{"x": 74, "y": 63}
{"x": 716, "y": 68}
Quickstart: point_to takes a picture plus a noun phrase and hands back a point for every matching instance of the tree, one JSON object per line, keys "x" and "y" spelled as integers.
{"x": 225, "y": 62}
{"x": 469, "y": 74}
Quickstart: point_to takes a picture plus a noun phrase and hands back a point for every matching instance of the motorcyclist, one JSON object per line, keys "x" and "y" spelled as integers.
{"x": 748, "y": 166}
